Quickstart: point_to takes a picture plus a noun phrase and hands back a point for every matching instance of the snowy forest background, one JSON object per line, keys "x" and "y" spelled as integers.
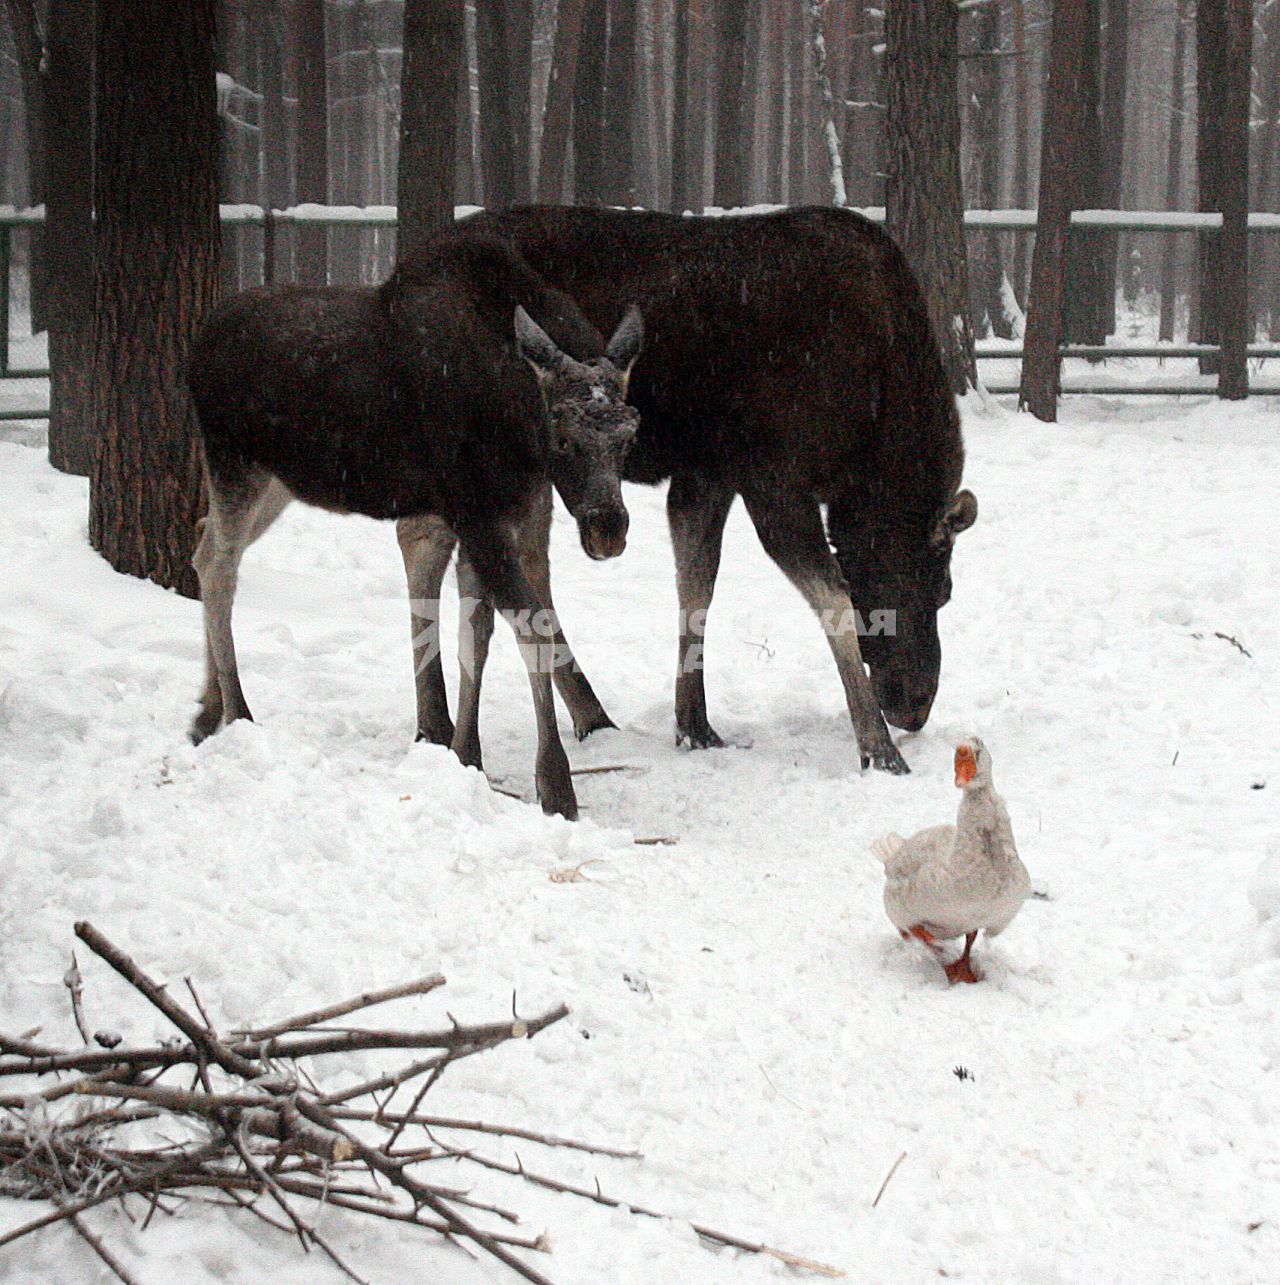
{"x": 652, "y": 108}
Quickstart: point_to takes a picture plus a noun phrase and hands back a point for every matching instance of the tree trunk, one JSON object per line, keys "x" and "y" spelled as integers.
{"x": 588, "y": 108}
{"x": 69, "y": 233}
{"x": 1227, "y": 132}
{"x": 1021, "y": 144}
{"x": 818, "y": 44}
{"x": 25, "y": 24}
{"x": 1173, "y": 173}
{"x": 986, "y": 275}
{"x": 520, "y": 68}
{"x": 732, "y": 149}
{"x": 274, "y": 193}
{"x": 797, "y": 136}
{"x": 620, "y": 79}
{"x": 924, "y": 200}
{"x": 1086, "y": 250}
{"x": 1115, "y": 77}
{"x": 682, "y": 143}
{"x": 557, "y": 114}
{"x": 497, "y": 126}
{"x": 429, "y": 89}
{"x": 1268, "y": 253}
{"x": 1065, "y": 108}
{"x": 313, "y": 137}
{"x": 156, "y": 275}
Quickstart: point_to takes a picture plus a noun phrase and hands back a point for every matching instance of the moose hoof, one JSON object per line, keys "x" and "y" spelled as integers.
{"x": 204, "y": 725}
{"x": 886, "y": 759}
{"x": 441, "y": 735}
{"x": 596, "y": 722}
{"x": 703, "y": 737}
{"x": 558, "y": 801}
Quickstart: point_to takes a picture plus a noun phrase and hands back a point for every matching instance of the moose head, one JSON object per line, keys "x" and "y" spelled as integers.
{"x": 589, "y": 427}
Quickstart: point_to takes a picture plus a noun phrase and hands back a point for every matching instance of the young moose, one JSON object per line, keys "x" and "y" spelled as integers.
{"x": 414, "y": 401}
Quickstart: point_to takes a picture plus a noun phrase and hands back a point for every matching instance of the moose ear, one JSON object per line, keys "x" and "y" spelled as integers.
{"x": 535, "y": 346}
{"x": 624, "y": 347}
{"x": 958, "y": 516}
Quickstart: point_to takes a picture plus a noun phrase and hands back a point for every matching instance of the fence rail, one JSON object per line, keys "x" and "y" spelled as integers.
{"x": 1165, "y": 222}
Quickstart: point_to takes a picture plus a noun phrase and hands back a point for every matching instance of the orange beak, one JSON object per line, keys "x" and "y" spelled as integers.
{"x": 966, "y": 765}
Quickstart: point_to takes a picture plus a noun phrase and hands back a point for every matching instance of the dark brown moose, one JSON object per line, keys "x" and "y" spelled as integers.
{"x": 788, "y": 359}
{"x": 415, "y": 401}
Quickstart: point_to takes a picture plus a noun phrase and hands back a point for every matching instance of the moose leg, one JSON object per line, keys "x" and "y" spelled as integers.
{"x": 475, "y": 629}
{"x": 575, "y": 690}
{"x": 696, "y": 512}
{"x": 426, "y": 545}
{"x": 496, "y": 561}
{"x": 790, "y": 528}
{"x": 237, "y": 516}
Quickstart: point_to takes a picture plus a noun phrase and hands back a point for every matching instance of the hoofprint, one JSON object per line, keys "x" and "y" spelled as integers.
{"x": 1122, "y": 1115}
{"x": 957, "y": 880}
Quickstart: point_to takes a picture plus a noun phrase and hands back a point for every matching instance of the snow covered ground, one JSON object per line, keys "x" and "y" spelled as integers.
{"x": 743, "y": 1012}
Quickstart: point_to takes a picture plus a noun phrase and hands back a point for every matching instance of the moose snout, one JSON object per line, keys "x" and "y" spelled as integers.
{"x": 902, "y": 706}
{"x": 603, "y": 532}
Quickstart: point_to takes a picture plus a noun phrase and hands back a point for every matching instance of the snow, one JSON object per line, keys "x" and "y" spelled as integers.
{"x": 777, "y": 1047}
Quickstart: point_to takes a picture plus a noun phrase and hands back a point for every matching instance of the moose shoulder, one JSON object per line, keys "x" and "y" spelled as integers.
{"x": 435, "y": 397}
{"x": 788, "y": 359}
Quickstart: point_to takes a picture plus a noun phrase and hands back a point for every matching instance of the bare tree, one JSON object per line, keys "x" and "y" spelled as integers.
{"x": 620, "y": 80}
{"x": 156, "y": 274}
{"x": 69, "y": 233}
{"x": 588, "y": 108}
{"x": 497, "y": 123}
{"x": 732, "y": 135}
{"x": 434, "y": 35}
{"x": 1173, "y": 172}
{"x": 924, "y": 201}
{"x": 1224, "y": 35}
{"x": 818, "y": 40}
{"x": 557, "y": 115}
{"x": 28, "y": 39}
{"x": 311, "y": 60}
{"x": 1066, "y": 105}
{"x": 1115, "y": 86}
{"x": 986, "y": 275}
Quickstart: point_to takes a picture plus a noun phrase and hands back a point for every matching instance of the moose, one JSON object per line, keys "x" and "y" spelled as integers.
{"x": 789, "y": 359}
{"x": 435, "y": 399}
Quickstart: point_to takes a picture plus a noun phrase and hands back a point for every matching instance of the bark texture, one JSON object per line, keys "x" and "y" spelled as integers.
{"x": 923, "y": 196}
{"x": 156, "y": 275}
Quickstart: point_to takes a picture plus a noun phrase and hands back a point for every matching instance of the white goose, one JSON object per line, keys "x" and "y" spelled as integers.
{"x": 956, "y": 880}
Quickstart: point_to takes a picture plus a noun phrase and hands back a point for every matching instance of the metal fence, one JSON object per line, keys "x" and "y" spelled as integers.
{"x": 30, "y": 376}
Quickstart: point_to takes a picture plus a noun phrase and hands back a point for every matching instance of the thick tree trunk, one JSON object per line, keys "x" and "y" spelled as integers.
{"x": 797, "y": 124}
{"x": 1173, "y": 173}
{"x": 1066, "y": 105}
{"x": 557, "y": 115}
{"x": 25, "y": 24}
{"x": 1268, "y": 197}
{"x": 497, "y": 126}
{"x": 620, "y": 80}
{"x": 924, "y": 199}
{"x": 434, "y": 36}
{"x": 313, "y": 136}
{"x": 588, "y": 108}
{"x": 520, "y": 68}
{"x": 1087, "y": 250}
{"x": 831, "y": 136}
{"x": 732, "y": 138}
{"x": 156, "y": 275}
{"x": 69, "y": 233}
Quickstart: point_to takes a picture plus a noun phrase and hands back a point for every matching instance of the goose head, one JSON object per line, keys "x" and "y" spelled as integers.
{"x": 973, "y": 764}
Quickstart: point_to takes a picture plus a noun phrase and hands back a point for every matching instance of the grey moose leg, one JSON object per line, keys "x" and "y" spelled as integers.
{"x": 237, "y": 516}
{"x": 575, "y": 689}
{"x": 475, "y": 629}
{"x": 426, "y": 545}
{"x": 790, "y": 528}
{"x": 697, "y": 509}
{"x": 493, "y": 555}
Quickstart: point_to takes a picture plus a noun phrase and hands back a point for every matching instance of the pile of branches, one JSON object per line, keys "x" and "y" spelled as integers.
{"x": 260, "y": 1134}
